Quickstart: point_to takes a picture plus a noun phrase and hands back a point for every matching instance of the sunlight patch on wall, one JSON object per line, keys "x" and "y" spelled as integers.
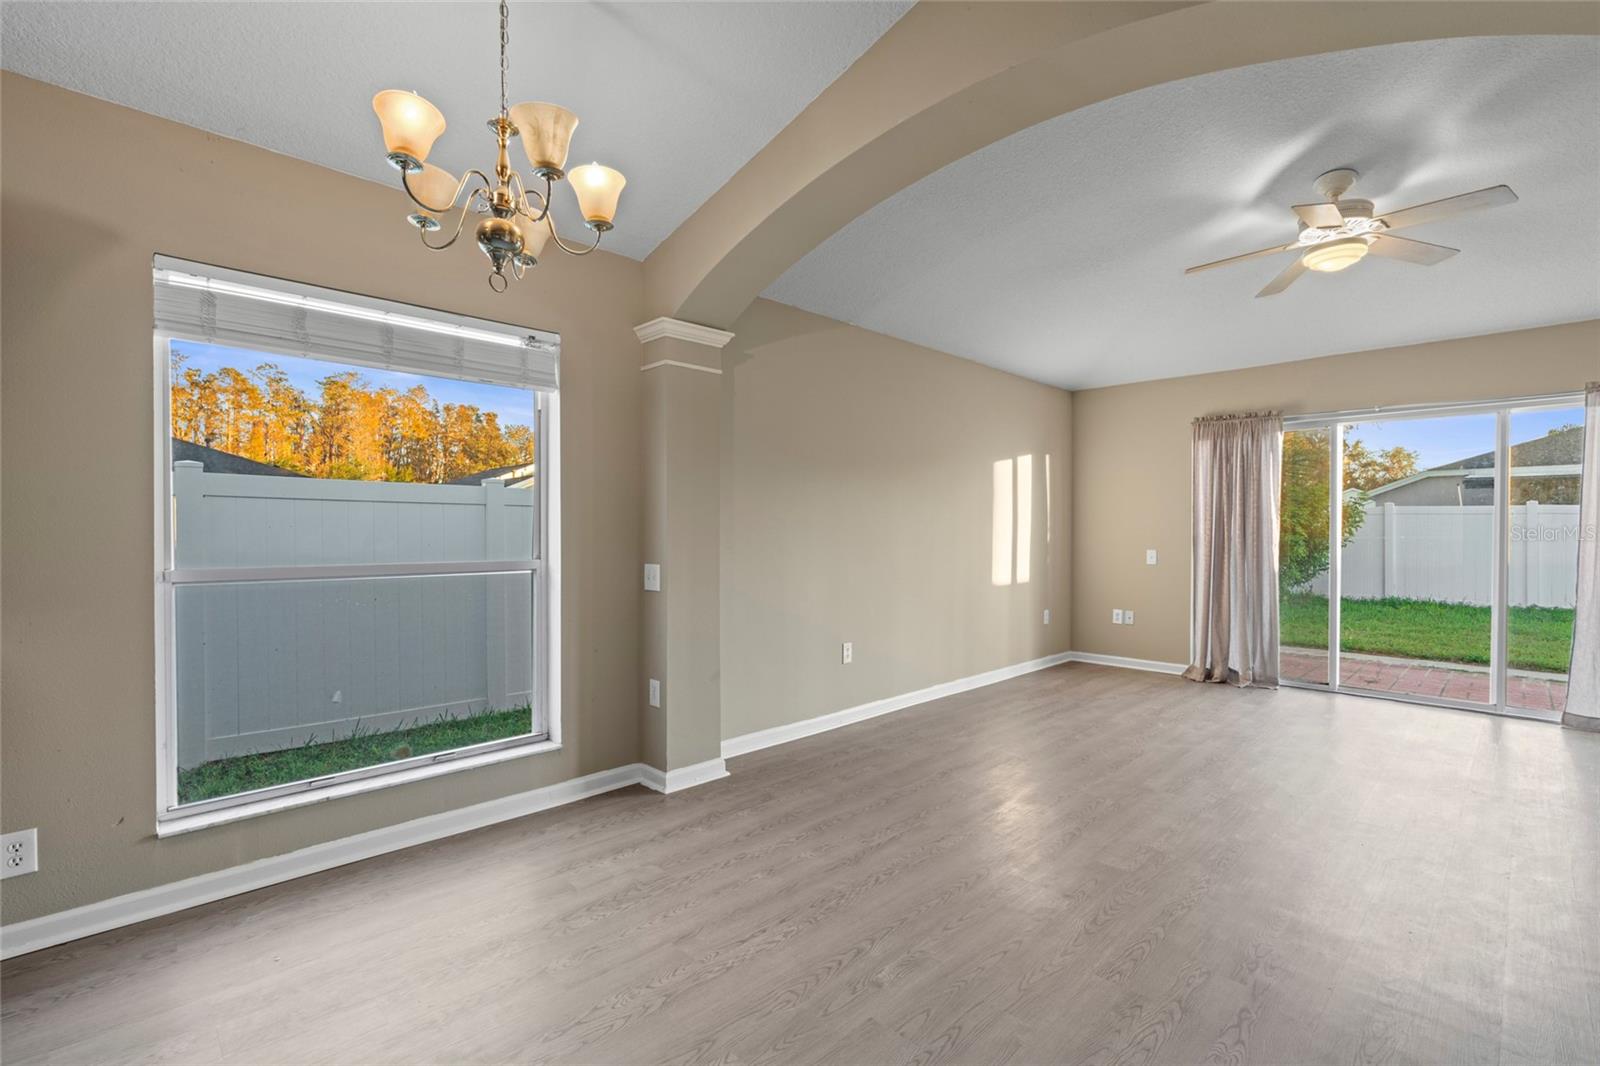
{"x": 1024, "y": 518}
{"x": 1000, "y": 556}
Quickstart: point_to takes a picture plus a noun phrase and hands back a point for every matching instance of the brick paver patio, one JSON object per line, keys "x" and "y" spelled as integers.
{"x": 1530, "y": 692}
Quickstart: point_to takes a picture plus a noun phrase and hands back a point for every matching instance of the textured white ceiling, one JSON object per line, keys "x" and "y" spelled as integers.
{"x": 1058, "y": 253}
{"x": 678, "y": 96}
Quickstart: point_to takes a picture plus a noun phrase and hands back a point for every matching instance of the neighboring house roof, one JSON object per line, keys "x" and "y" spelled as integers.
{"x": 1479, "y": 476}
{"x": 220, "y": 462}
{"x": 1558, "y": 454}
{"x": 511, "y": 475}
{"x": 1564, "y": 447}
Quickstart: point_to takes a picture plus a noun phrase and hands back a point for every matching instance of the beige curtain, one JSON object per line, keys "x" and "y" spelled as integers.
{"x": 1235, "y": 544}
{"x": 1583, "y": 685}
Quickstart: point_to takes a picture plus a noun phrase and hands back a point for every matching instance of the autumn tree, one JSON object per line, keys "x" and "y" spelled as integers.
{"x": 349, "y": 430}
{"x": 1303, "y": 535}
{"x": 1366, "y": 470}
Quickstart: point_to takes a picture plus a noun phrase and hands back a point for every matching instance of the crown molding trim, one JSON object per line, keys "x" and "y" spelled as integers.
{"x": 682, "y": 366}
{"x": 677, "y": 329}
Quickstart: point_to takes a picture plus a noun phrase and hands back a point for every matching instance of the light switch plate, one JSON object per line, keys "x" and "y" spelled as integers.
{"x": 1047, "y": 616}
{"x": 1127, "y": 618}
{"x": 847, "y": 653}
{"x": 652, "y": 577}
{"x": 655, "y": 693}
{"x": 1116, "y": 617}
{"x": 1149, "y": 557}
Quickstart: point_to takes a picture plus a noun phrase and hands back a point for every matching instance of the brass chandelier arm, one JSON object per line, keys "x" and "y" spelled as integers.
{"x": 563, "y": 245}
{"x": 405, "y": 180}
{"x": 522, "y": 201}
{"x": 461, "y": 220}
{"x": 544, "y": 199}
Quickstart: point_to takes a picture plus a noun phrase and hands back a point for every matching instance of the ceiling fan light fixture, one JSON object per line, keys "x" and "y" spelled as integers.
{"x": 1338, "y": 233}
{"x": 1334, "y": 256}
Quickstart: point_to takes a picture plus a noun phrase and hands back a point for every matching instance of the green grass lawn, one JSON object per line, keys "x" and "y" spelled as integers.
{"x": 1540, "y": 637}
{"x": 240, "y": 773}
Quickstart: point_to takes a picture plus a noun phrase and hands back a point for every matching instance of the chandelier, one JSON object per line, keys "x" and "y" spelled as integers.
{"x": 518, "y": 223}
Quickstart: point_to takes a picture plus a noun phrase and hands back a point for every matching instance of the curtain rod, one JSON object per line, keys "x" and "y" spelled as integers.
{"x": 1365, "y": 414}
{"x": 1236, "y": 417}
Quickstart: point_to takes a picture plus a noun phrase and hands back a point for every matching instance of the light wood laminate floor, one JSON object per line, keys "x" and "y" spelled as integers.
{"x": 1080, "y": 865}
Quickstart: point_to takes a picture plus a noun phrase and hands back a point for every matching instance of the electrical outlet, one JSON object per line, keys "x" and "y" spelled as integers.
{"x": 655, "y": 693}
{"x": 1047, "y": 616}
{"x": 652, "y": 577}
{"x": 1116, "y": 617}
{"x": 847, "y": 653}
{"x": 20, "y": 851}
{"x": 1149, "y": 557}
{"x": 1127, "y": 618}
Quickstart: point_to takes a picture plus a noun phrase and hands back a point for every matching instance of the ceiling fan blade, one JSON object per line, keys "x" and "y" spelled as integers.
{"x": 1409, "y": 251}
{"x": 1241, "y": 258}
{"x": 1285, "y": 279}
{"x": 1434, "y": 210}
{"x": 1322, "y": 216}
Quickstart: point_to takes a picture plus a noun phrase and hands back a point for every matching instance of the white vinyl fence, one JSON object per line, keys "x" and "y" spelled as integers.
{"x": 1446, "y": 554}
{"x": 267, "y": 665}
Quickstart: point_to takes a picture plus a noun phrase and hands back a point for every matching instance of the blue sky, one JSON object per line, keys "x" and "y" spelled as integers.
{"x": 1443, "y": 440}
{"x": 514, "y": 406}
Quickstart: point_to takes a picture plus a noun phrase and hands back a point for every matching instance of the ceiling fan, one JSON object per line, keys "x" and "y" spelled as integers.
{"x": 1338, "y": 233}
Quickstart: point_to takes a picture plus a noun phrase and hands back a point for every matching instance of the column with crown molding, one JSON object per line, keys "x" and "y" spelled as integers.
{"x": 681, "y": 645}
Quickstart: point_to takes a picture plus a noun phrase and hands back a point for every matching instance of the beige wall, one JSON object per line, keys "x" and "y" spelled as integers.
{"x": 78, "y": 728}
{"x": 1131, "y": 457}
{"x": 857, "y": 500}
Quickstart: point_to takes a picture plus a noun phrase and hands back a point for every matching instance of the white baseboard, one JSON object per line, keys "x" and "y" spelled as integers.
{"x": 683, "y": 777}
{"x": 21, "y": 937}
{"x": 766, "y": 738}
{"x": 1153, "y": 665}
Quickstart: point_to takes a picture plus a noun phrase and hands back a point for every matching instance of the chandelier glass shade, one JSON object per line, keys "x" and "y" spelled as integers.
{"x": 598, "y": 189}
{"x": 546, "y": 133}
{"x": 517, "y": 224}
{"x": 410, "y": 123}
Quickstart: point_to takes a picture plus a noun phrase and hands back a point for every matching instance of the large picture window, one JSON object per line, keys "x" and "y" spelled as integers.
{"x": 356, "y": 552}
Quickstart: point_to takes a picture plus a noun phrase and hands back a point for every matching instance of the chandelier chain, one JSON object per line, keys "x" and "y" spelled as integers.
{"x": 505, "y": 39}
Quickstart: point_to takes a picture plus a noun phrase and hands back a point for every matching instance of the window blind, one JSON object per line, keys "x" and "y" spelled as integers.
{"x": 200, "y": 302}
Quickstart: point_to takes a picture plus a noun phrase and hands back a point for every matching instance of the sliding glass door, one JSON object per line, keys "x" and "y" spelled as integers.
{"x": 1546, "y": 458}
{"x": 1416, "y": 570}
{"x": 1436, "y": 550}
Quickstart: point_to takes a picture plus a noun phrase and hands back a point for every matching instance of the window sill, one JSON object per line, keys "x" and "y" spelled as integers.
{"x": 178, "y": 823}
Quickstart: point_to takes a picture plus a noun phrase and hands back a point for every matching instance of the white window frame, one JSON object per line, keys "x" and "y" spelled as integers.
{"x": 1335, "y": 423}
{"x": 173, "y": 818}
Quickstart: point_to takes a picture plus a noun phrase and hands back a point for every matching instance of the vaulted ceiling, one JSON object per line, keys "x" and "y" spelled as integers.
{"x": 1058, "y": 253}
{"x": 675, "y": 95}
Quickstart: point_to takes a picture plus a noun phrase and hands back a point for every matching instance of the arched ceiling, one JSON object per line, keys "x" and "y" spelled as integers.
{"x": 949, "y": 79}
{"x": 1057, "y": 253}
{"x": 678, "y": 96}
